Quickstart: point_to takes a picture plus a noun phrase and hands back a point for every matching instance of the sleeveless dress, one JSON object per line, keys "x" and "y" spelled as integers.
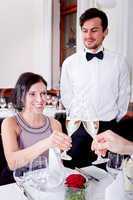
{"x": 29, "y": 135}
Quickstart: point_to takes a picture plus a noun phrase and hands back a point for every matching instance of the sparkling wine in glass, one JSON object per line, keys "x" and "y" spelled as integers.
{"x": 2, "y": 102}
{"x": 71, "y": 125}
{"x": 92, "y": 128}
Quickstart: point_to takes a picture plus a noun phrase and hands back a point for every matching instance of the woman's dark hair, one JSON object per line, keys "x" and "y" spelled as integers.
{"x": 92, "y": 13}
{"x": 23, "y": 84}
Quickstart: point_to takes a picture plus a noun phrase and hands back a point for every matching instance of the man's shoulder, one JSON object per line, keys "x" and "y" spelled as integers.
{"x": 116, "y": 58}
{"x": 113, "y": 54}
{"x": 73, "y": 57}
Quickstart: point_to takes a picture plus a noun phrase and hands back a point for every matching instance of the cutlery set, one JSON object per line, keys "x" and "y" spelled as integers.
{"x": 89, "y": 177}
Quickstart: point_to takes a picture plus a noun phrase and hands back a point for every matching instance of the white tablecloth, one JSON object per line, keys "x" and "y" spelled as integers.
{"x": 49, "y": 111}
{"x": 12, "y": 192}
{"x": 95, "y": 190}
{"x": 5, "y": 112}
{"x": 115, "y": 191}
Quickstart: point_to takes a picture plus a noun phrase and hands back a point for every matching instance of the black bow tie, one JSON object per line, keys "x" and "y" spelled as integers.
{"x": 99, "y": 55}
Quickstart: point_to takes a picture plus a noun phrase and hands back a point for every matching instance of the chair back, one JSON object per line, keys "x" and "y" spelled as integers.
{"x": 6, "y": 175}
{"x": 3, "y": 162}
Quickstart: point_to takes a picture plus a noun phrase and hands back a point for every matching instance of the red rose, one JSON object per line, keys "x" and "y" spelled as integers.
{"x": 75, "y": 181}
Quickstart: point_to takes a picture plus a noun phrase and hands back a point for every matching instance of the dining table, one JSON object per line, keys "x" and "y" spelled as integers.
{"x": 95, "y": 188}
{"x": 11, "y": 191}
{"x": 105, "y": 189}
{"x": 102, "y": 186}
{"x": 95, "y": 191}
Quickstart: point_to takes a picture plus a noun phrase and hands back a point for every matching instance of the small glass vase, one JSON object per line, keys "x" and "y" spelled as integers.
{"x": 72, "y": 193}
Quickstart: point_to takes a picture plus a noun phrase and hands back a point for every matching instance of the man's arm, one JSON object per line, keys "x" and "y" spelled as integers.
{"x": 124, "y": 89}
{"x": 66, "y": 85}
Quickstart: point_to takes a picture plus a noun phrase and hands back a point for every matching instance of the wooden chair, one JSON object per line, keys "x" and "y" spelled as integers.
{"x": 6, "y": 175}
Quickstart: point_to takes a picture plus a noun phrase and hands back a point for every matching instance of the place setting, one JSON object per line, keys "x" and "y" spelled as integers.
{"x": 123, "y": 182}
{"x": 38, "y": 179}
{"x": 6, "y": 108}
{"x": 48, "y": 178}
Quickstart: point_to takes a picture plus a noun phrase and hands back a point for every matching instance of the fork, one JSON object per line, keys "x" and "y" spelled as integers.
{"x": 89, "y": 177}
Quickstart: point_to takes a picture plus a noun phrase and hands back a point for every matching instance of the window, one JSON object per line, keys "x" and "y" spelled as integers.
{"x": 67, "y": 28}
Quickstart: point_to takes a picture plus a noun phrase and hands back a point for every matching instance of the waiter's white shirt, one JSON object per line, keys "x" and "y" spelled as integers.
{"x": 104, "y": 84}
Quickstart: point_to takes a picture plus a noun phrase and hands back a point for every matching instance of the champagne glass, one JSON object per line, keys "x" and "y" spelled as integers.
{"x": 49, "y": 99}
{"x": 72, "y": 124}
{"x": 20, "y": 176}
{"x": 92, "y": 128}
{"x": 114, "y": 164}
{"x": 91, "y": 123}
{"x": 10, "y": 106}
{"x": 43, "y": 176}
{"x": 2, "y": 102}
{"x": 38, "y": 172}
{"x": 54, "y": 100}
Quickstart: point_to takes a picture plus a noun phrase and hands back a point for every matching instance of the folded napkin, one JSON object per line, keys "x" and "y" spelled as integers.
{"x": 55, "y": 162}
{"x": 128, "y": 175}
{"x": 115, "y": 191}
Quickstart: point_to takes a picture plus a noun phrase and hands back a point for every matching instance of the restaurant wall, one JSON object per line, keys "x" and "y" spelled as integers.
{"x": 24, "y": 39}
{"x": 129, "y": 32}
{"x": 120, "y": 33}
{"x": 29, "y": 42}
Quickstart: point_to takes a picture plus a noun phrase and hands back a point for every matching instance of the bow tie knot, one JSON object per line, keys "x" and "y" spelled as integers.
{"x": 98, "y": 55}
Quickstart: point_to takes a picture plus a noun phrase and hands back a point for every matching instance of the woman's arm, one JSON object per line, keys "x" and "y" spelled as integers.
{"x": 16, "y": 157}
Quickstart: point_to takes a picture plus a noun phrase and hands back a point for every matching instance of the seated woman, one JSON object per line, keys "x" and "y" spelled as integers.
{"x": 29, "y": 134}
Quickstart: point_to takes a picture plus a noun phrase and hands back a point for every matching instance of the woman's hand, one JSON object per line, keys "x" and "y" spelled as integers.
{"x": 60, "y": 140}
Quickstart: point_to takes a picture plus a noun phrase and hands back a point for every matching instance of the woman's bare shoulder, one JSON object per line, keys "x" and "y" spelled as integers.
{"x": 9, "y": 123}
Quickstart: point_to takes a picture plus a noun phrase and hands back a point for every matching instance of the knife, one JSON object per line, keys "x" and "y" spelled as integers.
{"x": 28, "y": 195}
{"x": 89, "y": 177}
{"x": 24, "y": 191}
